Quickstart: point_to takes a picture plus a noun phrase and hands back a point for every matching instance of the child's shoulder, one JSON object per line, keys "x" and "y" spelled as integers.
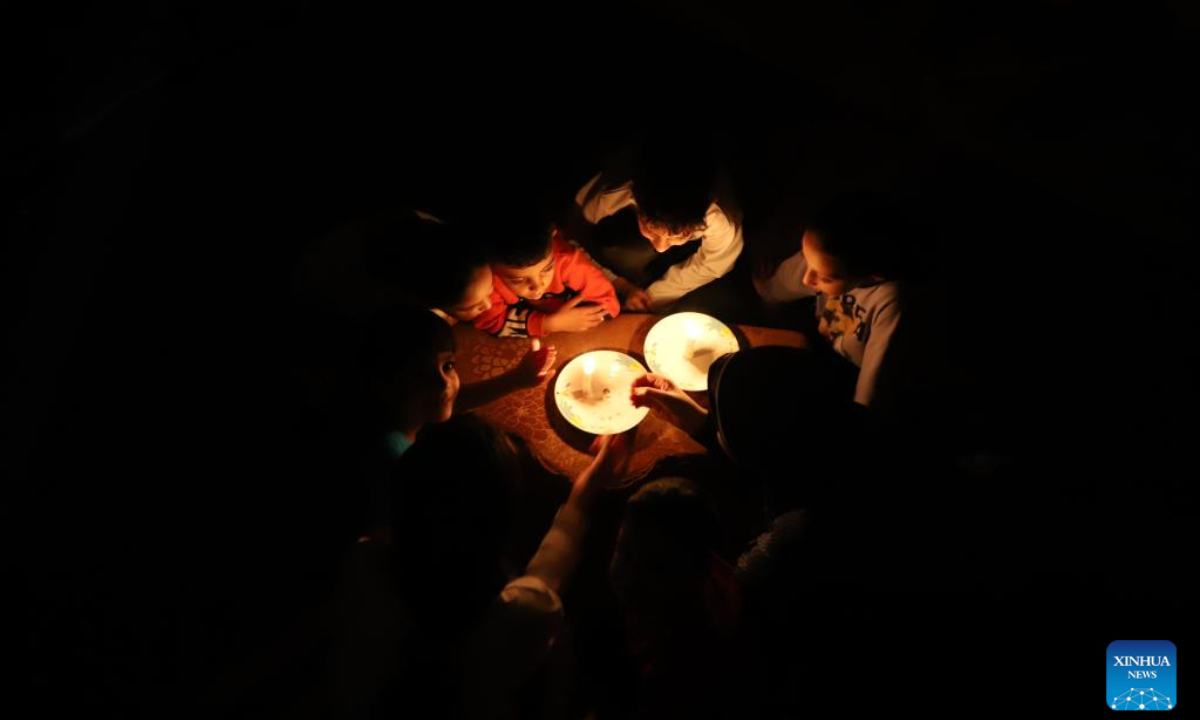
{"x": 888, "y": 293}
{"x": 893, "y": 298}
{"x": 882, "y": 291}
{"x": 564, "y": 250}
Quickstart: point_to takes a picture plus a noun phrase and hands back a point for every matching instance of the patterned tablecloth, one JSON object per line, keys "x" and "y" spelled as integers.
{"x": 533, "y": 415}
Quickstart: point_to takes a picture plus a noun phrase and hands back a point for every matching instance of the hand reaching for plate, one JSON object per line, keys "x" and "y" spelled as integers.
{"x": 658, "y": 393}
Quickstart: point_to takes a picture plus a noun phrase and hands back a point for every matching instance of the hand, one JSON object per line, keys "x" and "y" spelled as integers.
{"x": 633, "y": 297}
{"x": 537, "y": 366}
{"x": 658, "y": 393}
{"x": 612, "y": 456}
{"x": 570, "y": 318}
{"x": 639, "y": 301}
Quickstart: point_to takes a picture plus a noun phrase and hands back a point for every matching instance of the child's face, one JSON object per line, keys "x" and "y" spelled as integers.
{"x": 660, "y": 237}
{"x": 529, "y": 282}
{"x": 476, "y": 299}
{"x": 435, "y": 386}
{"x": 823, "y": 273}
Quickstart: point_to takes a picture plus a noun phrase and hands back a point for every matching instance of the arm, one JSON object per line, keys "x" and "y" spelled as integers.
{"x": 872, "y": 389}
{"x": 580, "y": 274}
{"x": 624, "y": 289}
{"x": 590, "y": 207}
{"x": 534, "y": 369}
{"x": 481, "y": 393}
{"x": 558, "y": 554}
{"x": 787, "y": 283}
{"x": 720, "y": 249}
{"x": 575, "y": 273}
{"x": 661, "y": 395}
{"x": 596, "y": 203}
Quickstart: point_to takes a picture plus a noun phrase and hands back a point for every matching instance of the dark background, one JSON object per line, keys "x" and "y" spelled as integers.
{"x": 168, "y": 507}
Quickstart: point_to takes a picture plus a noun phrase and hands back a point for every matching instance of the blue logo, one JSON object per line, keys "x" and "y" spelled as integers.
{"x": 1141, "y": 675}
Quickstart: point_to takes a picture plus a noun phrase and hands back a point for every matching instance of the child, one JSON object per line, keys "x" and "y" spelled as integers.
{"x": 762, "y": 402}
{"x": 441, "y": 267}
{"x": 540, "y": 282}
{"x": 411, "y": 371}
{"x": 679, "y": 199}
{"x": 484, "y": 622}
{"x": 849, "y": 259}
{"x": 680, "y": 602}
{"x": 430, "y": 262}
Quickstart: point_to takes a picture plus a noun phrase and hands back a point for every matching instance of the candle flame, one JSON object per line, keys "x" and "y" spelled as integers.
{"x": 589, "y": 365}
{"x": 692, "y": 330}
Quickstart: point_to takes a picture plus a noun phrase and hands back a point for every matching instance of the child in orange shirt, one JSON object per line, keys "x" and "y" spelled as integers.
{"x": 540, "y": 285}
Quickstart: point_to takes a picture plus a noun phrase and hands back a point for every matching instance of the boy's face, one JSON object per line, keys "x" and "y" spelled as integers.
{"x": 476, "y": 299}
{"x": 436, "y": 387}
{"x": 823, "y": 273}
{"x": 422, "y": 390}
{"x": 660, "y": 237}
{"x": 529, "y": 282}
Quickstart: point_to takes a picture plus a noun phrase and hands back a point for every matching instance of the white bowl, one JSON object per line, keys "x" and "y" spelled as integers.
{"x": 666, "y": 348}
{"x": 608, "y": 410}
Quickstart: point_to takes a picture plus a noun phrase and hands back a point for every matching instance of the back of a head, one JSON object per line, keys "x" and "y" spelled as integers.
{"x": 398, "y": 350}
{"x": 465, "y": 463}
{"x": 786, "y": 417}
{"x": 670, "y": 528}
{"x": 674, "y": 181}
{"x": 452, "y": 494}
{"x": 401, "y": 337}
{"x": 523, "y": 235}
{"x": 428, "y": 260}
{"x": 868, "y": 233}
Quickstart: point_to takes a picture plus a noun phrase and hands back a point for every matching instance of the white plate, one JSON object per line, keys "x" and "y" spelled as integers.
{"x": 666, "y": 348}
{"x": 609, "y": 410}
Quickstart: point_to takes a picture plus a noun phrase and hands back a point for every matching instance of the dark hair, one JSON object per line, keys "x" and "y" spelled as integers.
{"x": 401, "y": 337}
{"x": 762, "y": 438}
{"x": 524, "y": 238}
{"x": 429, "y": 261}
{"x": 467, "y": 470}
{"x": 673, "y": 185}
{"x": 866, "y": 234}
{"x": 684, "y": 526}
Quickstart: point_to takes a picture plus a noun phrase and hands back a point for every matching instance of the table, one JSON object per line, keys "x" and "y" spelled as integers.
{"x": 533, "y": 415}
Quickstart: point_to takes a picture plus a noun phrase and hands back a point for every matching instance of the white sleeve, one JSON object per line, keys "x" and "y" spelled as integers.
{"x": 718, "y": 252}
{"x": 509, "y": 645}
{"x": 883, "y": 327}
{"x": 788, "y": 282}
{"x": 597, "y": 205}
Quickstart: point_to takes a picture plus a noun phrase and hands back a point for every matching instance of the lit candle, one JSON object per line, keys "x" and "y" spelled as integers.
{"x": 692, "y": 330}
{"x": 589, "y": 379}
